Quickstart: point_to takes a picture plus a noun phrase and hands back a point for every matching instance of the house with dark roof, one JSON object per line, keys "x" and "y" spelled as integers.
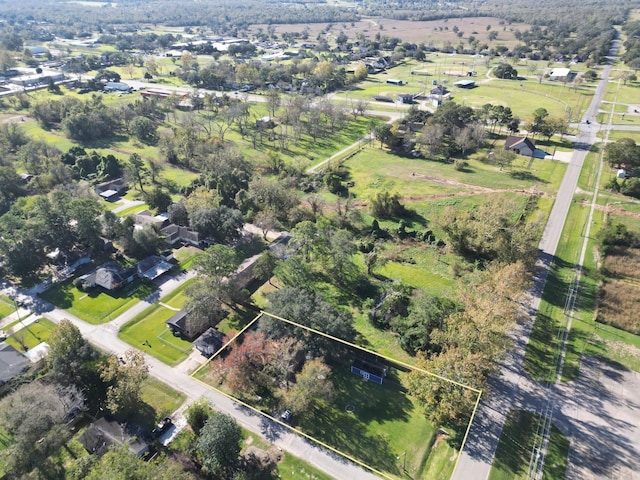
{"x": 181, "y": 328}
{"x": 105, "y": 432}
{"x": 209, "y": 342}
{"x": 112, "y": 276}
{"x": 439, "y": 90}
{"x": 524, "y": 146}
{"x": 175, "y": 233}
{"x": 109, "y": 276}
{"x": 152, "y": 267}
{"x": 12, "y": 363}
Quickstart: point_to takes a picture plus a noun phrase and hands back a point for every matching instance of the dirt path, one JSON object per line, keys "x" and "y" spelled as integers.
{"x": 17, "y": 119}
{"x": 612, "y": 209}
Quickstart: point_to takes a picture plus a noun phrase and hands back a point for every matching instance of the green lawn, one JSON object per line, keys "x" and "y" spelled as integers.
{"x": 185, "y": 256}
{"x": 32, "y": 335}
{"x": 158, "y": 400}
{"x": 373, "y": 170}
{"x": 177, "y": 298}
{"x": 97, "y": 306}
{"x": 7, "y": 307}
{"x": 629, "y": 93}
{"x": 385, "y": 424}
{"x": 512, "y": 456}
{"x": 133, "y": 209}
{"x": 147, "y": 331}
{"x": 555, "y": 463}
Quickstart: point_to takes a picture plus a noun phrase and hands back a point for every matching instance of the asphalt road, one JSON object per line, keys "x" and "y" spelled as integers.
{"x": 513, "y": 389}
{"x": 105, "y": 337}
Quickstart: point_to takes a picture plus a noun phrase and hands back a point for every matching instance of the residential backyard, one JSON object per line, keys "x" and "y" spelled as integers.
{"x": 379, "y": 425}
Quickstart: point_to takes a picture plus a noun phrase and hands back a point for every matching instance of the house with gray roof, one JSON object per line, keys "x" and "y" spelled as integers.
{"x": 12, "y": 363}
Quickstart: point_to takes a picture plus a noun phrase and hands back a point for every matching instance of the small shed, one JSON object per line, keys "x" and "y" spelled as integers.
{"x": 465, "y": 84}
{"x": 369, "y": 371}
{"x": 621, "y": 174}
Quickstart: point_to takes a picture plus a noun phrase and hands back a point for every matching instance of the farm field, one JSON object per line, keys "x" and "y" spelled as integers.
{"x": 432, "y": 33}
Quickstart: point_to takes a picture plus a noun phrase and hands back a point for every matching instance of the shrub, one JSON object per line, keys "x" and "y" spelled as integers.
{"x": 459, "y": 165}
{"x": 197, "y": 415}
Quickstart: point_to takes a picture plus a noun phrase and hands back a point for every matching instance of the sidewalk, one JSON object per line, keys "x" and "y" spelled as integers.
{"x": 21, "y": 314}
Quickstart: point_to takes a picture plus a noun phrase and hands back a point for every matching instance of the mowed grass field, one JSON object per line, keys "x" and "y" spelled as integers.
{"x": 97, "y": 305}
{"x": 374, "y": 170}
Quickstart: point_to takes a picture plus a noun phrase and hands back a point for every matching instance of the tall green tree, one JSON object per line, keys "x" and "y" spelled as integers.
{"x": 219, "y": 443}
{"x": 125, "y": 382}
{"x": 70, "y": 358}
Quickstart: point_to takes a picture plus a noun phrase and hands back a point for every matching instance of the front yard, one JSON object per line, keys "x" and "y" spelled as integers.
{"x": 97, "y": 305}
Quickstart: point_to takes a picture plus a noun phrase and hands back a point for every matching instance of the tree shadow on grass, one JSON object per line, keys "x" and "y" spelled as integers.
{"x": 349, "y": 435}
{"x": 528, "y": 176}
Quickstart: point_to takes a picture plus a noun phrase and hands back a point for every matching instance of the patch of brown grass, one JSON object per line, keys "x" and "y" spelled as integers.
{"x": 619, "y": 305}
{"x": 436, "y": 32}
{"x": 623, "y": 263}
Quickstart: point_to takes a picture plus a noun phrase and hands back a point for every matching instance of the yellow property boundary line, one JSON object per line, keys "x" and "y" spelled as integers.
{"x": 309, "y": 437}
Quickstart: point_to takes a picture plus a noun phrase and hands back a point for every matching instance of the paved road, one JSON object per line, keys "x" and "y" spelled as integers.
{"x": 105, "y": 337}
{"x": 513, "y": 388}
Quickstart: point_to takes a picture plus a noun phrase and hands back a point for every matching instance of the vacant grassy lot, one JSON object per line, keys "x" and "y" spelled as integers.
{"x": 147, "y": 331}
{"x": 629, "y": 93}
{"x": 31, "y": 335}
{"x": 374, "y": 170}
{"x": 97, "y": 306}
{"x": 375, "y": 424}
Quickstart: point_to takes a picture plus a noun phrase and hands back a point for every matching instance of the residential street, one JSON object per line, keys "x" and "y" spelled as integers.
{"x": 596, "y": 411}
{"x": 105, "y": 337}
